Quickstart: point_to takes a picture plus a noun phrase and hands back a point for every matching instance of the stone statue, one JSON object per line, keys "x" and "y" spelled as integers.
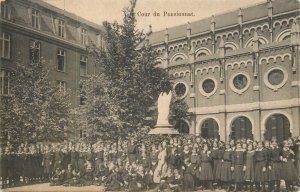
{"x": 163, "y": 106}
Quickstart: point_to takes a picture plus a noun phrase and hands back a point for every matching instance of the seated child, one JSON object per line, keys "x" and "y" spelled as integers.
{"x": 71, "y": 177}
{"x": 114, "y": 181}
{"x": 58, "y": 177}
{"x": 176, "y": 183}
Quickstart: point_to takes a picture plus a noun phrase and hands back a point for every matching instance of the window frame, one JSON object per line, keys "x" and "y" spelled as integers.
{"x": 62, "y": 85}
{"x": 61, "y": 28}
{"x": 3, "y": 39}
{"x": 2, "y": 76}
{"x": 31, "y": 48}
{"x": 5, "y": 11}
{"x": 83, "y": 59}
{"x": 59, "y": 51}
{"x": 83, "y": 36}
{"x": 35, "y": 18}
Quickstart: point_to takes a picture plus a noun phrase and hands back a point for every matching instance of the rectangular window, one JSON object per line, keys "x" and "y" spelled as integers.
{"x": 61, "y": 59}
{"x": 100, "y": 41}
{"x": 34, "y": 51}
{"x": 82, "y": 96}
{"x": 83, "y": 36}
{"x": 61, "y": 28}
{"x": 5, "y": 11}
{"x": 35, "y": 18}
{"x": 83, "y": 65}
{"x": 4, "y": 82}
{"x": 62, "y": 86}
{"x": 5, "y": 45}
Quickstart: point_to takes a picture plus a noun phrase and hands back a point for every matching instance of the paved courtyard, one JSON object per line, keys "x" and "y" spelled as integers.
{"x": 46, "y": 188}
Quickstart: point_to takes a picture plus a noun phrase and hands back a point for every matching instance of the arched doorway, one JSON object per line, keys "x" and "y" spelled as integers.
{"x": 182, "y": 127}
{"x": 210, "y": 129}
{"x": 241, "y": 128}
{"x": 277, "y": 128}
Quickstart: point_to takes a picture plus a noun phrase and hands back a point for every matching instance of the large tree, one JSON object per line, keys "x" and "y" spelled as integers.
{"x": 129, "y": 64}
{"x": 36, "y": 108}
{"x": 133, "y": 80}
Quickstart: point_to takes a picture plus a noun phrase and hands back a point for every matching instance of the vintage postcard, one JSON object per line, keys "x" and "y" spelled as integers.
{"x": 149, "y": 95}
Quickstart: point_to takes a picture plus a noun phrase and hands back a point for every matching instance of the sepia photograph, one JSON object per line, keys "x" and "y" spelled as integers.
{"x": 150, "y": 95}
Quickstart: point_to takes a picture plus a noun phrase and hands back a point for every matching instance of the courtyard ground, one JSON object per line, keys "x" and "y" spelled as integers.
{"x": 46, "y": 188}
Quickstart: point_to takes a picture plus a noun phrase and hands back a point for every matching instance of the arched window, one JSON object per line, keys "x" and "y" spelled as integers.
{"x": 241, "y": 128}
{"x": 210, "y": 129}
{"x": 277, "y": 128}
{"x": 182, "y": 127}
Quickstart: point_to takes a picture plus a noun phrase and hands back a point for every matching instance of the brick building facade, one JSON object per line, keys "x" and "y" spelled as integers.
{"x": 238, "y": 71}
{"x": 33, "y": 29}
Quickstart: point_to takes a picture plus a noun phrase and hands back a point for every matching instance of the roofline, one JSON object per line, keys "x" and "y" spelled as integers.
{"x": 217, "y": 14}
{"x": 69, "y": 15}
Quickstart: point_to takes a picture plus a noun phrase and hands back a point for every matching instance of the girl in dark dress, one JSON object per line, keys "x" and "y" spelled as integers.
{"x": 249, "y": 173}
{"x": 81, "y": 159}
{"x": 238, "y": 166}
{"x": 226, "y": 173}
{"x": 195, "y": 160}
{"x": 289, "y": 172}
{"x": 18, "y": 164}
{"x": 47, "y": 163}
{"x": 206, "y": 173}
{"x": 216, "y": 154}
{"x": 4, "y": 167}
{"x": 86, "y": 177}
{"x": 27, "y": 165}
{"x": 58, "y": 157}
{"x": 176, "y": 183}
{"x": 74, "y": 156}
{"x": 260, "y": 159}
{"x": 188, "y": 176}
{"x": 275, "y": 167}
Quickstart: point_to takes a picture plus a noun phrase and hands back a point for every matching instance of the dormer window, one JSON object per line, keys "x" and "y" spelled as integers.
{"x": 100, "y": 41}
{"x": 35, "y": 18}
{"x": 5, "y": 11}
{"x": 61, "y": 28}
{"x": 83, "y": 36}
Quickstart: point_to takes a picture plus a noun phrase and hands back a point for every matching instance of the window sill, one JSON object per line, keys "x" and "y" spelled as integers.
{"x": 61, "y": 71}
{"x": 5, "y": 58}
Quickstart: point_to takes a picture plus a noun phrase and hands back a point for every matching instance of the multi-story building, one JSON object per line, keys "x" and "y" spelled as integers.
{"x": 34, "y": 30}
{"x": 238, "y": 71}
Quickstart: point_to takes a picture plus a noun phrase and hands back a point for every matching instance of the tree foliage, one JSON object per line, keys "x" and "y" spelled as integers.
{"x": 35, "y": 109}
{"x": 128, "y": 77}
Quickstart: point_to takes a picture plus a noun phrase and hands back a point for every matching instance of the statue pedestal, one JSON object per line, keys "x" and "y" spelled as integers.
{"x": 163, "y": 130}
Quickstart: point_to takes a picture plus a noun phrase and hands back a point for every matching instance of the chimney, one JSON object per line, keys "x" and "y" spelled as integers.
{"x": 188, "y": 29}
{"x": 240, "y": 17}
{"x": 166, "y": 36}
{"x": 212, "y": 24}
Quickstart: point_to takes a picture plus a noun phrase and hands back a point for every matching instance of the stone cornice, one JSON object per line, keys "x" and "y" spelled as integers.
{"x": 244, "y": 107}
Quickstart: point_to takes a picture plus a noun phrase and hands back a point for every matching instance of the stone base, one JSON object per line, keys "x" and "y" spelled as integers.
{"x": 163, "y": 130}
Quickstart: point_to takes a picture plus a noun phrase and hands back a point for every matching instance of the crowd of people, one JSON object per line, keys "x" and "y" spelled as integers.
{"x": 171, "y": 164}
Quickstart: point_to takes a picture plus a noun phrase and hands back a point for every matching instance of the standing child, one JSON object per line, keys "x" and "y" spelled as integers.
{"x": 260, "y": 167}
{"x": 289, "y": 173}
{"x": 188, "y": 176}
{"x": 249, "y": 173}
{"x": 238, "y": 166}
{"x": 205, "y": 168}
{"x": 226, "y": 173}
{"x": 274, "y": 167}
